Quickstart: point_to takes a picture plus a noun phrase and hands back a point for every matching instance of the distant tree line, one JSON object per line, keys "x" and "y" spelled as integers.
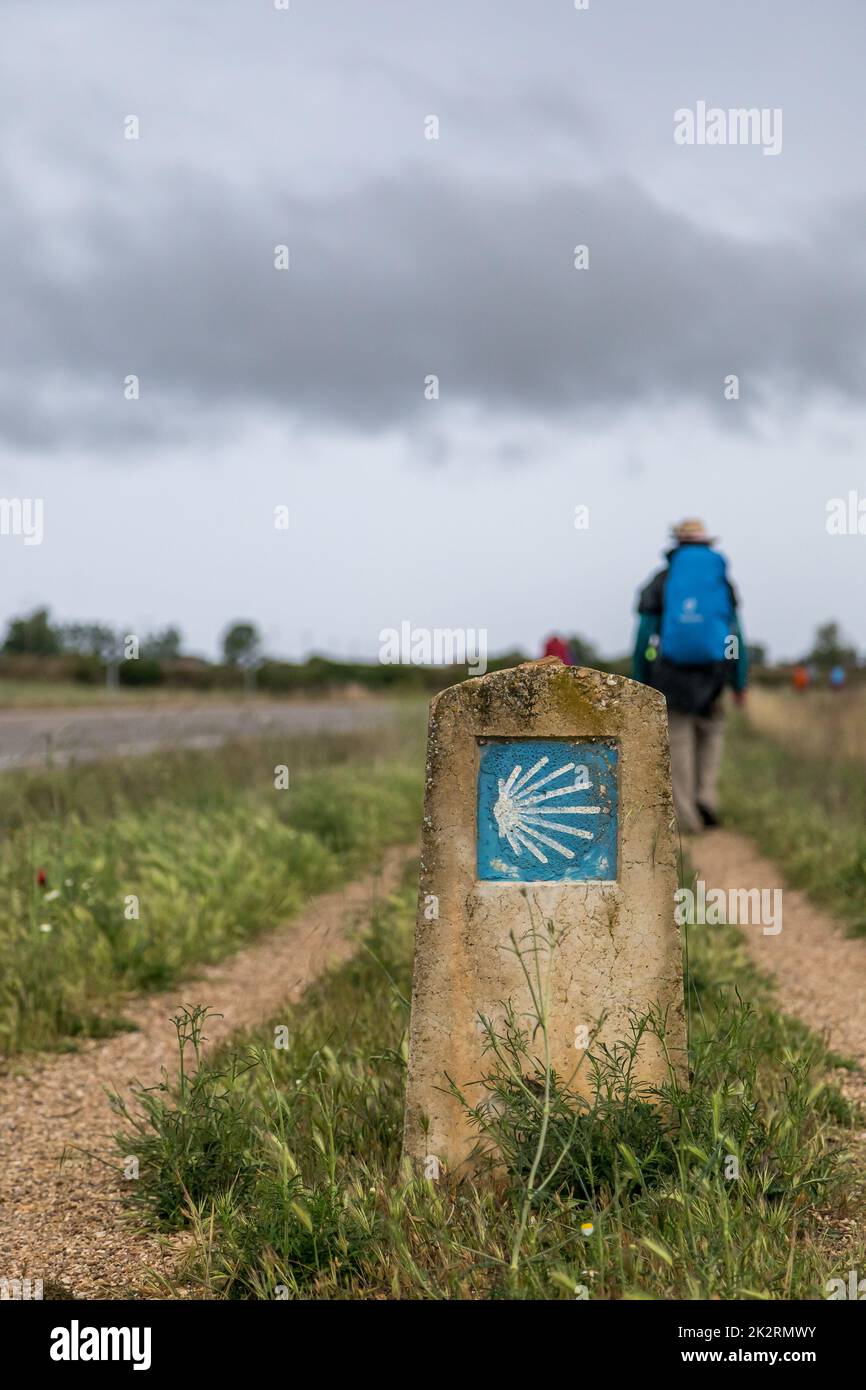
{"x": 831, "y": 649}
{"x": 83, "y": 650}
{"x": 36, "y": 635}
{"x": 35, "y": 647}
{"x": 92, "y": 651}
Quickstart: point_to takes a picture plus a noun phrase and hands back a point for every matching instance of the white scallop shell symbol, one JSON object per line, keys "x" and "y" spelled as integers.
{"x": 521, "y": 815}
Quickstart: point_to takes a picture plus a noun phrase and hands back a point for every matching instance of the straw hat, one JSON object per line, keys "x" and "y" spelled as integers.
{"x": 691, "y": 530}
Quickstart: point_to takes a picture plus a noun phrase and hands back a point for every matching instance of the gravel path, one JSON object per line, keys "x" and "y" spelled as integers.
{"x": 64, "y": 1222}
{"x": 62, "y": 1219}
{"x": 36, "y": 738}
{"x": 820, "y": 972}
{"x": 820, "y": 977}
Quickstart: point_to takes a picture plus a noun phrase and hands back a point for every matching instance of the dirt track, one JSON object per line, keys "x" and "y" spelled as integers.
{"x": 64, "y": 1223}
{"x": 820, "y": 973}
{"x": 820, "y": 978}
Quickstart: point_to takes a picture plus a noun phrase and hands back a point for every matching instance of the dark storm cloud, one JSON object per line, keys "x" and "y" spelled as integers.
{"x": 400, "y": 278}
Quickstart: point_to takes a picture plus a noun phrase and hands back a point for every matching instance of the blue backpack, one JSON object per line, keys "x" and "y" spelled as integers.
{"x": 697, "y": 616}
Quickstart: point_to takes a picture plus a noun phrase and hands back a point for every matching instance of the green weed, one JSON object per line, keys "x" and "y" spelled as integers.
{"x": 727, "y": 1188}
{"x": 151, "y": 867}
{"x": 806, "y": 813}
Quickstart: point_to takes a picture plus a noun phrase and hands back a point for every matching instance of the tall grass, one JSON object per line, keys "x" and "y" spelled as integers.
{"x": 715, "y": 1192}
{"x": 817, "y": 724}
{"x": 198, "y": 779}
{"x": 806, "y": 809}
{"x": 118, "y": 877}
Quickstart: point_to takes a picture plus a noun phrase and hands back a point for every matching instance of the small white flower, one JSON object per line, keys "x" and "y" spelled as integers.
{"x": 55, "y": 893}
{"x": 68, "y": 882}
{"x": 45, "y": 926}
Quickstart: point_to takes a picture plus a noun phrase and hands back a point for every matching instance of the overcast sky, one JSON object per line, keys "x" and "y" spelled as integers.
{"x": 410, "y": 257}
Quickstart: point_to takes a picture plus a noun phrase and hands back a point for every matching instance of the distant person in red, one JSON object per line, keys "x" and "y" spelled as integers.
{"x": 801, "y": 678}
{"x": 555, "y": 646}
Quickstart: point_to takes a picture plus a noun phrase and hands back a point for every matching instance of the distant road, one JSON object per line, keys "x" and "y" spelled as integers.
{"x": 34, "y": 738}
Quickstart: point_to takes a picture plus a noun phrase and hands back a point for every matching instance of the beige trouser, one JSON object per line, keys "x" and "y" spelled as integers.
{"x": 696, "y": 756}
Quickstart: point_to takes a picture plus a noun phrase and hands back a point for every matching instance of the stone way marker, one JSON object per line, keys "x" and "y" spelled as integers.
{"x": 548, "y": 799}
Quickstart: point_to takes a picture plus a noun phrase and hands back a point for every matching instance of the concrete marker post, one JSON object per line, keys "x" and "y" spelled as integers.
{"x": 548, "y": 799}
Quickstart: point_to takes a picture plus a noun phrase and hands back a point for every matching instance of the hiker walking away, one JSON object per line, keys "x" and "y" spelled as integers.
{"x": 690, "y": 646}
{"x": 555, "y": 646}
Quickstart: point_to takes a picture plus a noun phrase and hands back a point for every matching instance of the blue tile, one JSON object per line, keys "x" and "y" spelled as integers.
{"x": 547, "y": 810}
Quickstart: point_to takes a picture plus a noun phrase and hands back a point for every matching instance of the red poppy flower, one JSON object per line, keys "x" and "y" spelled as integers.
{"x": 42, "y": 878}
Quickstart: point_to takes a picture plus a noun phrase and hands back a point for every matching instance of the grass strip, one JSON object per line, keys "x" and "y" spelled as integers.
{"x": 118, "y": 877}
{"x": 281, "y": 1156}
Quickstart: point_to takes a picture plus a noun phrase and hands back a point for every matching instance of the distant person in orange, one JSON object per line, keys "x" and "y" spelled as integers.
{"x": 555, "y": 646}
{"x": 801, "y": 678}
